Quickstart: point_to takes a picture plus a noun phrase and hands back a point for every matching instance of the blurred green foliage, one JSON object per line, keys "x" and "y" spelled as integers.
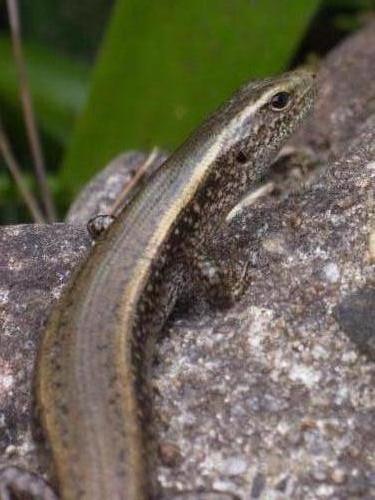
{"x": 58, "y": 86}
{"x": 161, "y": 67}
{"x": 71, "y": 27}
{"x": 164, "y": 65}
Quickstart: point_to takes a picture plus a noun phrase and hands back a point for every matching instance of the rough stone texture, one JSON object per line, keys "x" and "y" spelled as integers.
{"x": 35, "y": 263}
{"x": 346, "y": 96}
{"x": 273, "y": 398}
{"x": 356, "y": 317}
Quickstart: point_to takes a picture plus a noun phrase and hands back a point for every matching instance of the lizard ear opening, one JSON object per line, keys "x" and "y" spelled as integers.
{"x": 241, "y": 157}
{"x": 280, "y": 101}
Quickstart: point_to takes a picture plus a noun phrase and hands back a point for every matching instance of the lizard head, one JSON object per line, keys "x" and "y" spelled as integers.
{"x": 263, "y": 114}
{"x": 237, "y": 143}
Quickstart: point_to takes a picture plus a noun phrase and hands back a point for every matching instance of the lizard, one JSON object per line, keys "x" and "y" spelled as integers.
{"x": 94, "y": 360}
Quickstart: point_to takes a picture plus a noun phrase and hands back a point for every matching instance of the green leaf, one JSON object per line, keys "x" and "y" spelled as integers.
{"x": 164, "y": 65}
{"x": 58, "y": 86}
{"x": 69, "y": 26}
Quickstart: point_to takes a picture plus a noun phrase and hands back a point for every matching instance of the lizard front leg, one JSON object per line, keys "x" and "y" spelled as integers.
{"x": 221, "y": 281}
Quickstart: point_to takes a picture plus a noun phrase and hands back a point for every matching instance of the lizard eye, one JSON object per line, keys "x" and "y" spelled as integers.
{"x": 280, "y": 100}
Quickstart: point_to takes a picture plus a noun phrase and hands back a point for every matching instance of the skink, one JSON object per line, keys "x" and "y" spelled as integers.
{"x": 94, "y": 360}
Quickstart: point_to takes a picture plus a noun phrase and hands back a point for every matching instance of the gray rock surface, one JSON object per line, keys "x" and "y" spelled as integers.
{"x": 35, "y": 264}
{"x": 346, "y": 96}
{"x": 273, "y": 398}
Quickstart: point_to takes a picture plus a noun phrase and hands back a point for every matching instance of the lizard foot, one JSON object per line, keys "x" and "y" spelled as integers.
{"x": 19, "y": 484}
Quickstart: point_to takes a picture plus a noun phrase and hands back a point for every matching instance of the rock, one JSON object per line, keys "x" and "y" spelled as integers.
{"x": 277, "y": 380}
{"x": 274, "y": 397}
{"x": 35, "y": 264}
{"x": 346, "y": 96}
{"x": 356, "y": 317}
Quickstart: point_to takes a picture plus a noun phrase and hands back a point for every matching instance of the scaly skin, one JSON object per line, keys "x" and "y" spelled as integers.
{"x": 94, "y": 358}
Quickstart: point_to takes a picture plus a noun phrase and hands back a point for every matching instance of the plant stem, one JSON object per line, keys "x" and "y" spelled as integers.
{"x": 15, "y": 172}
{"x": 28, "y": 112}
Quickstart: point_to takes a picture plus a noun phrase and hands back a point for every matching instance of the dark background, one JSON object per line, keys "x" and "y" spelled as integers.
{"x": 84, "y": 68}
